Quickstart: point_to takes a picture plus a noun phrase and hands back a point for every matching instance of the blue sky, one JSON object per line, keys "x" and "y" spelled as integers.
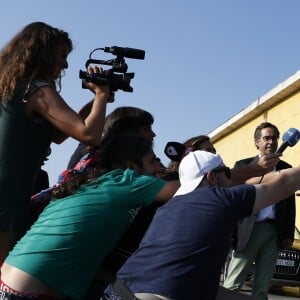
{"x": 205, "y": 60}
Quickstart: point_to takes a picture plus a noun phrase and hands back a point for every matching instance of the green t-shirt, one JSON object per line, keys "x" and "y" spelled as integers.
{"x": 72, "y": 236}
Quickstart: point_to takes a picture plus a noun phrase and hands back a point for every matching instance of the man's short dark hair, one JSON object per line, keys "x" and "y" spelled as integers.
{"x": 259, "y": 128}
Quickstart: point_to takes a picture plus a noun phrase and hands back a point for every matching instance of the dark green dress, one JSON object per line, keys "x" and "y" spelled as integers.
{"x": 23, "y": 147}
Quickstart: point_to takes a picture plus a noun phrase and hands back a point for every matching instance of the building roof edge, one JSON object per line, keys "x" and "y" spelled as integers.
{"x": 269, "y": 99}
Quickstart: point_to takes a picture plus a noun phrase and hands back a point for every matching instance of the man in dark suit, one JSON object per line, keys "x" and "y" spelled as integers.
{"x": 260, "y": 236}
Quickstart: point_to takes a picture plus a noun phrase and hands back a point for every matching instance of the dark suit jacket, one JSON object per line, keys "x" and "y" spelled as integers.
{"x": 285, "y": 213}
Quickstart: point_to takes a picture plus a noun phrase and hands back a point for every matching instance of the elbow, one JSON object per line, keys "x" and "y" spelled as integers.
{"x": 91, "y": 140}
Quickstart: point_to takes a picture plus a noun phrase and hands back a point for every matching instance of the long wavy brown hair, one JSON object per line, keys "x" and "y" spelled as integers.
{"x": 30, "y": 54}
{"x": 116, "y": 152}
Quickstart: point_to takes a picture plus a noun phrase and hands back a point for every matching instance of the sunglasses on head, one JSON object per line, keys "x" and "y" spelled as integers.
{"x": 204, "y": 144}
{"x": 198, "y": 141}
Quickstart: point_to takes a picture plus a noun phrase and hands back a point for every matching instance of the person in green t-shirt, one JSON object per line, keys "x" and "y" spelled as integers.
{"x": 60, "y": 254}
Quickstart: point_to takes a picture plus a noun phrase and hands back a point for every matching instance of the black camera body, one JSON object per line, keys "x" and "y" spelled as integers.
{"x": 116, "y": 77}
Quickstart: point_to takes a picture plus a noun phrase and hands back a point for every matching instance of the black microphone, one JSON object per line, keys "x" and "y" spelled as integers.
{"x": 126, "y": 52}
{"x": 174, "y": 151}
{"x": 290, "y": 138}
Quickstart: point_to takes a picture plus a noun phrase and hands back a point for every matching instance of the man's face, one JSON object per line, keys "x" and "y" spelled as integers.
{"x": 268, "y": 141}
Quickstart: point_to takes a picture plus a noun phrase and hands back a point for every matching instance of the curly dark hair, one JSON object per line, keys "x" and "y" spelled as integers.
{"x": 115, "y": 152}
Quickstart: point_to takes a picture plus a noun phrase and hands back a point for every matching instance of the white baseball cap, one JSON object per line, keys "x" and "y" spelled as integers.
{"x": 193, "y": 168}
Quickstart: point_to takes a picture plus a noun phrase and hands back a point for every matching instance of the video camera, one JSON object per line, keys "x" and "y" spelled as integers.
{"x": 121, "y": 80}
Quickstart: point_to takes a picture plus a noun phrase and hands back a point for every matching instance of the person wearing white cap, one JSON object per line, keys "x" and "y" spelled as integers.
{"x": 195, "y": 167}
{"x": 182, "y": 253}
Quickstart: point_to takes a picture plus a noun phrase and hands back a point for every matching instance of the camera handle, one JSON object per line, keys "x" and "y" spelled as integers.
{"x": 118, "y": 65}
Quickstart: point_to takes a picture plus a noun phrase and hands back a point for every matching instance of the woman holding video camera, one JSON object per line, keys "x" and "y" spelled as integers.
{"x": 32, "y": 115}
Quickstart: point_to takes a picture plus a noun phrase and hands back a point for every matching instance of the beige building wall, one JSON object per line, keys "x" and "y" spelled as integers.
{"x": 281, "y": 106}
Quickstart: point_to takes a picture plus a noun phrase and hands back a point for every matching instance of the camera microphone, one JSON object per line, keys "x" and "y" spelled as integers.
{"x": 290, "y": 138}
{"x": 126, "y": 52}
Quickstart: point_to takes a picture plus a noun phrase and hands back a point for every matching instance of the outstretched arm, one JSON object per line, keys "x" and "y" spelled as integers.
{"x": 168, "y": 191}
{"x": 276, "y": 186}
